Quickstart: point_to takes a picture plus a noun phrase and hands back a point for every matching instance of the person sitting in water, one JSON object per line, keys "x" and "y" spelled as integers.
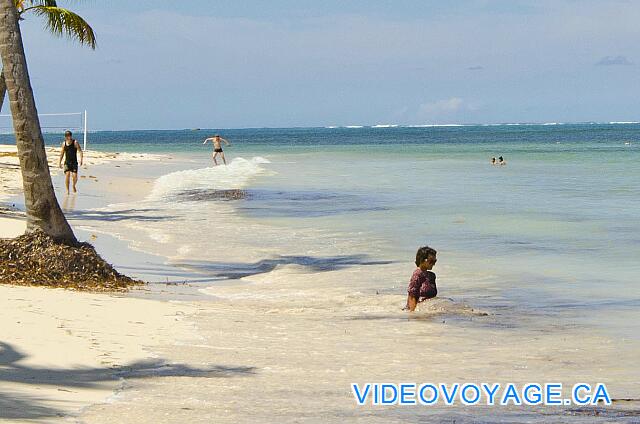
{"x": 493, "y": 161}
{"x": 217, "y": 147}
{"x": 69, "y": 151}
{"x": 423, "y": 281}
{"x": 501, "y": 161}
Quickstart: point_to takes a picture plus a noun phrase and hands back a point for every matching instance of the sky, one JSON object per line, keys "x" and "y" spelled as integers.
{"x": 282, "y": 63}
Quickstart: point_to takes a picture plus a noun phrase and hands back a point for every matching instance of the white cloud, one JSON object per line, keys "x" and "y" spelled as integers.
{"x": 449, "y": 105}
{"x": 196, "y": 67}
{"x": 451, "y": 109}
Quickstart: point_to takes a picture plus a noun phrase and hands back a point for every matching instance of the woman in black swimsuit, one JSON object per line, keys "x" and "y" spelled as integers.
{"x": 69, "y": 151}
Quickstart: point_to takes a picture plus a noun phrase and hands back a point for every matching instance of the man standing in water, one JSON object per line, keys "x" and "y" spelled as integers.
{"x": 69, "y": 151}
{"x": 217, "y": 147}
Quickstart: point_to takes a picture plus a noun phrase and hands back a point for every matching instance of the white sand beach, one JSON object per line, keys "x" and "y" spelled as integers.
{"x": 62, "y": 351}
{"x": 11, "y": 227}
{"x": 275, "y": 212}
{"x": 279, "y": 345}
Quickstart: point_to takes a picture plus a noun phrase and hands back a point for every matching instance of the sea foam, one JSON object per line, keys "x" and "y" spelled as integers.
{"x": 236, "y": 175}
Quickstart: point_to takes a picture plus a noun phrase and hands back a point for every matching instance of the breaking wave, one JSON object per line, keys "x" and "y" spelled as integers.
{"x": 237, "y": 175}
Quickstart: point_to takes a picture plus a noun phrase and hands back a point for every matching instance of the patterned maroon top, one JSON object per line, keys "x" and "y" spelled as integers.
{"x": 423, "y": 284}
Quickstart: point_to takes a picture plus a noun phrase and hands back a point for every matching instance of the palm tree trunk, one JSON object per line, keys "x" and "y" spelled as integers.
{"x": 43, "y": 210}
{"x": 3, "y": 89}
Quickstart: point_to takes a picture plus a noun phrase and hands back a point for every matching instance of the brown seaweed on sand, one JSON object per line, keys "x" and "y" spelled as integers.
{"x": 35, "y": 259}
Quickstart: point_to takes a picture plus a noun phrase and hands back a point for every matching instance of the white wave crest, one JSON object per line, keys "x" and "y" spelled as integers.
{"x": 436, "y": 125}
{"x": 237, "y": 175}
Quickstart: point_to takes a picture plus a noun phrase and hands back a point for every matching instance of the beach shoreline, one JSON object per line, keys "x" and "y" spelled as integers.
{"x": 283, "y": 336}
{"x": 61, "y": 350}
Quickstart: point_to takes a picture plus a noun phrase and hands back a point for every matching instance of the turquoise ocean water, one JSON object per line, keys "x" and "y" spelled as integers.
{"x": 555, "y": 232}
{"x": 547, "y": 245}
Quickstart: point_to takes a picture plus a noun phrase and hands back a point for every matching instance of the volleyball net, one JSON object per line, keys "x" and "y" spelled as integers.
{"x": 54, "y": 123}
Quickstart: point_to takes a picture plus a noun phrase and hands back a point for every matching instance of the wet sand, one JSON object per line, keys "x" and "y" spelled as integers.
{"x": 300, "y": 347}
{"x": 282, "y": 345}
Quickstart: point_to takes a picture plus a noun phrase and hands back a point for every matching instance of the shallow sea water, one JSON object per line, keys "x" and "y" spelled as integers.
{"x": 537, "y": 270}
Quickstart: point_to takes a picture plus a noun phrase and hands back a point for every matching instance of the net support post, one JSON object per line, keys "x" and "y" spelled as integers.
{"x": 84, "y": 147}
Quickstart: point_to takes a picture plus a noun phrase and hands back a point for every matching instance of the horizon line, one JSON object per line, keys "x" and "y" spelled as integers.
{"x": 354, "y": 126}
{"x": 379, "y": 126}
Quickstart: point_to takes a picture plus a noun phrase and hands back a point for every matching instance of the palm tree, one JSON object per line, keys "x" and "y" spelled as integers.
{"x": 59, "y": 21}
{"x": 43, "y": 210}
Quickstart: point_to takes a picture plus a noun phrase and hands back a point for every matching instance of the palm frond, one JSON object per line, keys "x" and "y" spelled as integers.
{"x": 63, "y": 22}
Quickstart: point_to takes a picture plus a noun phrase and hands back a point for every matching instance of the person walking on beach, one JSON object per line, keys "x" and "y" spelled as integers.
{"x": 217, "y": 147}
{"x": 422, "y": 285}
{"x": 69, "y": 151}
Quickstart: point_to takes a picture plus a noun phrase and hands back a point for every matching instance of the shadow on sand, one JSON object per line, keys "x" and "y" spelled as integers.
{"x": 120, "y": 215}
{"x": 14, "y": 406}
{"x": 313, "y": 264}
